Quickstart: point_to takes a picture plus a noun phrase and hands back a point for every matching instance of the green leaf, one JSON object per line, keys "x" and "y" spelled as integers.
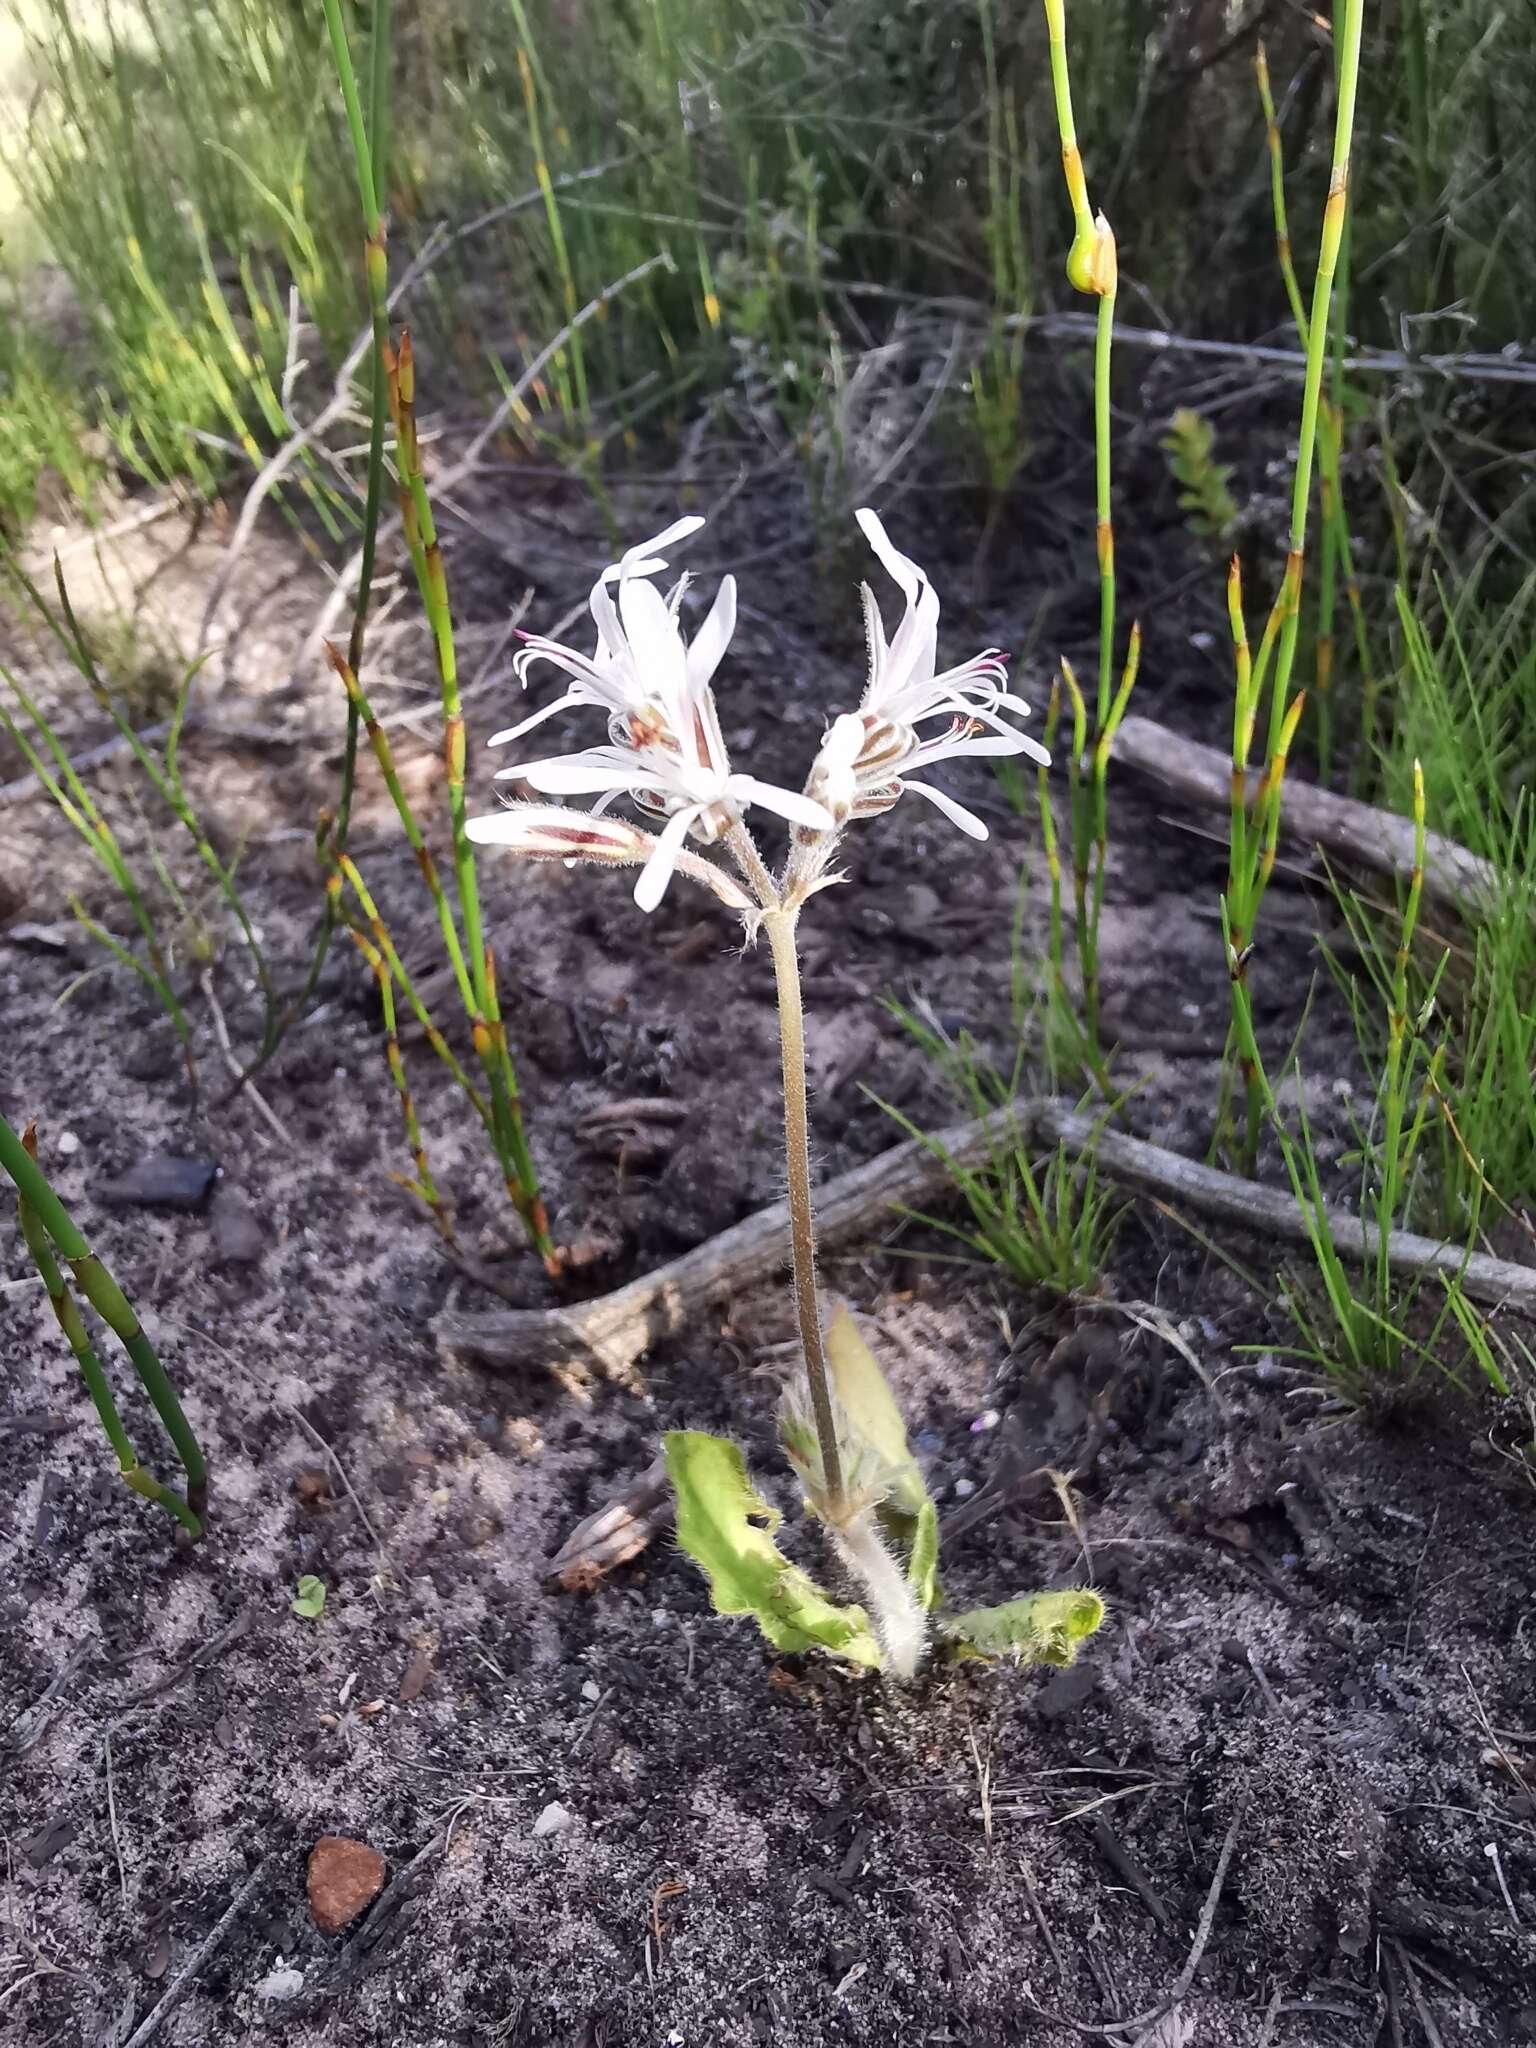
{"x": 865, "y": 1396}
{"x": 309, "y": 1601}
{"x": 725, "y": 1526}
{"x": 1038, "y": 1628}
{"x": 923, "y": 1562}
{"x": 877, "y": 1428}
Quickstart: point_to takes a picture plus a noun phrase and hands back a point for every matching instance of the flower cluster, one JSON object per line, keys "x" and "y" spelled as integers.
{"x": 664, "y": 749}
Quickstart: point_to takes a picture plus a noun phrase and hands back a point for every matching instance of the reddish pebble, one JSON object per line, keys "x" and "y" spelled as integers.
{"x": 344, "y": 1877}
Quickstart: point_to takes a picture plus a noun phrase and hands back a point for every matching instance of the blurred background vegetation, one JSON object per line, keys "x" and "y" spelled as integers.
{"x": 181, "y": 262}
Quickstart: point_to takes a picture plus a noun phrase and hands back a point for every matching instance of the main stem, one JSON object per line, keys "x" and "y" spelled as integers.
{"x": 802, "y": 1229}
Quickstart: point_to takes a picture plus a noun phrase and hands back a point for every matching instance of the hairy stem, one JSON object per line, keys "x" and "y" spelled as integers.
{"x": 802, "y": 1230}
{"x": 899, "y": 1620}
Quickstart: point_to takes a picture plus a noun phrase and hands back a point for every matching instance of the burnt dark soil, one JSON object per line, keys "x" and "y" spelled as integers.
{"x": 1320, "y": 1651}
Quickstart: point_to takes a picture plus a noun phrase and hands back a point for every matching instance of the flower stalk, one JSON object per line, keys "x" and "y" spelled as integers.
{"x": 780, "y": 923}
{"x": 1092, "y": 268}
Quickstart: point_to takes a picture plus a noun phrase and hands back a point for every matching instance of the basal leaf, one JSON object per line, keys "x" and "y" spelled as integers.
{"x": 1039, "y": 1628}
{"x": 726, "y": 1527}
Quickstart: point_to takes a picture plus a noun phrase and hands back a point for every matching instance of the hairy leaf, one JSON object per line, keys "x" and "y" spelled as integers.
{"x": 1038, "y": 1628}
{"x": 726, "y": 1527}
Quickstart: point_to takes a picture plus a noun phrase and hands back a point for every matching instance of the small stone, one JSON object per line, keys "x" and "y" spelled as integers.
{"x": 592, "y": 1691}
{"x": 68, "y": 1144}
{"x": 161, "y": 1180}
{"x": 554, "y": 1820}
{"x": 281, "y": 1984}
{"x": 238, "y": 1238}
{"x": 344, "y": 1877}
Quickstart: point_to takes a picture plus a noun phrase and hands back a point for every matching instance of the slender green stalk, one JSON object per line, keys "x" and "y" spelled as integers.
{"x": 346, "y": 868}
{"x": 1103, "y": 504}
{"x": 533, "y": 85}
{"x": 1092, "y": 268}
{"x": 1337, "y": 549}
{"x": 489, "y": 1032}
{"x": 383, "y": 754}
{"x": 43, "y": 1218}
{"x": 423, "y": 1184}
{"x": 80, "y": 810}
{"x": 1277, "y": 195}
{"x": 1109, "y": 725}
{"x": 370, "y": 150}
{"x": 1255, "y": 841}
{"x": 1334, "y": 214}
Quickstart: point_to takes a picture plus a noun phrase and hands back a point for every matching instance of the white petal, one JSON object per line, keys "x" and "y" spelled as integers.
{"x": 501, "y": 828}
{"x": 571, "y": 659}
{"x": 874, "y": 635}
{"x": 843, "y": 742}
{"x": 656, "y": 645}
{"x": 957, "y": 814}
{"x": 788, "y": 803}
{"x": 657, "y": 872}
{"x": 943, "y": 749}
{"x": 896, "y": 564}
{"x": 515, "y": 732}
{"x": 579, "y": 774}
{"x": 631, "y": 564}
{"x": 605, "y": 615}
{"x": 713, "y": 637}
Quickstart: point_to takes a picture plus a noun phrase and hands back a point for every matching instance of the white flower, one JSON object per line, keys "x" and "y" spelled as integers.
{"x": 641, "y": 672}
{"x": 664, "y": 746}
{"x": 549, "y": 832}
{"x": 868, "y": 756}
{"x": 695, "y": 795}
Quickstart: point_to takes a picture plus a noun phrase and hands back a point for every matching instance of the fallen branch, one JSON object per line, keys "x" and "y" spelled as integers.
{"x": 1274, "y": 1212}
{"x": 1379, "y": 840}
{"x": 610, "y": 1335}
{"x": 607, "y": 1338}
{"x": 217, "y": 1935}
{"x": 618, "y": 1531}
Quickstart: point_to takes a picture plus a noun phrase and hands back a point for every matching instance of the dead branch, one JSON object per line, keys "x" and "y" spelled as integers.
{"x": 1274, "y": 1212}
{"x": 619, "y": 1530}
{"x": 607, "y": 1338}
{"x": 1350, "y": 831}
{"x": 610, "y": 1335}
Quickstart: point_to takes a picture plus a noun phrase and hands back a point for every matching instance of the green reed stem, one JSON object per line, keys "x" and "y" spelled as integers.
{"x": 370, "y": 151}
{"x": 80, "y": 810}
{"x": 423, "y": 1185}
{"x": 1103, "y": 507}
{"x": 383, "y": 754}
{"x": 43, "y": 1217}
{"x": 507, "y": 1130}
{"x": 1255, "y": 839}
{"x": 347, "y": 868}
{"x": 1317, "y": 341}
